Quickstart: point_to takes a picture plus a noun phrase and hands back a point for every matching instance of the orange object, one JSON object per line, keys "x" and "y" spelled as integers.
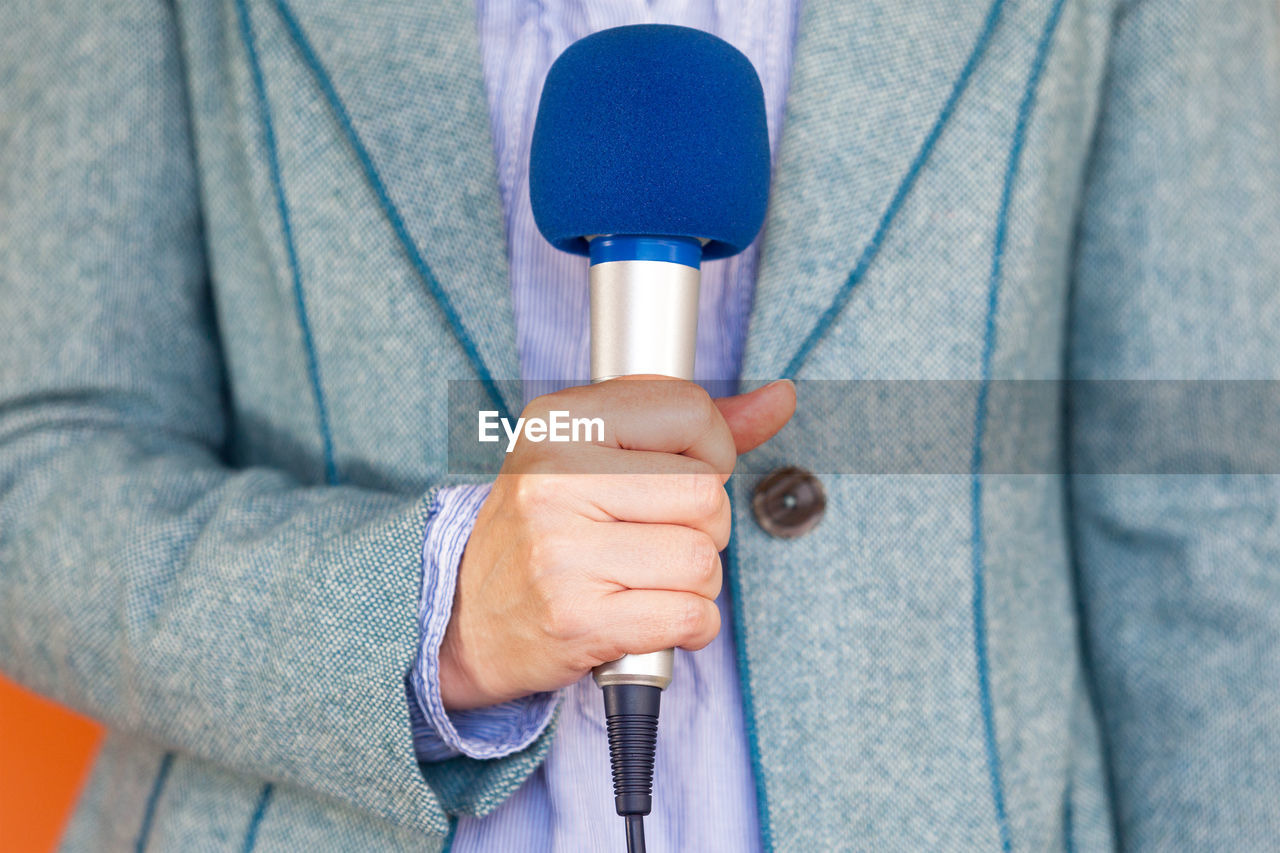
{"x": 45, "y": 752}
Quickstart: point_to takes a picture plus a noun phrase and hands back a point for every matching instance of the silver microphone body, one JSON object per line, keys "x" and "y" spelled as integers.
{"x": 644, "y": 319}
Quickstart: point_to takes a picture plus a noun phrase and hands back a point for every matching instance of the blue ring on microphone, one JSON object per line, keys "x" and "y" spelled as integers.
{"x": 628, "y": 247}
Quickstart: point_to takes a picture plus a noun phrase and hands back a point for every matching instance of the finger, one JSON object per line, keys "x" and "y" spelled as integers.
{"x": 595, "y": 459}
{"x": 649, "y": 556}
{"x": 639, "y": 621}
{"x": 639, "y": 486}
{"x": 698, "y": 501}
{"x": 650, "y": 413}
{"x": 756, "y": 417}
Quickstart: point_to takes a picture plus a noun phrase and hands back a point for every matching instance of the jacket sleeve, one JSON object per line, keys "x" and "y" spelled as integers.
{"x": 237, "y": 615}
{"x": 1178, "y": 277}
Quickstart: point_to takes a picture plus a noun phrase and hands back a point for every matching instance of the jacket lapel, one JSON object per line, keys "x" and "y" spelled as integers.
{"x": 871, "y": 91}
{"x": 862, "y": 117}
{"x": 406, "y": 83}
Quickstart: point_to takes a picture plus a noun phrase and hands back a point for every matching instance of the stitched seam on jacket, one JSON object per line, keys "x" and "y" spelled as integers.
{"x": 908, "y": 181}
{"x": 153, "y": 799}
{"x": 374, "y": 177}
{"x": 1025, "y": 108}
{"x": 255, "y": 821}
{"x": 748, "y": 700}
{"x": 453, "y": 831}
{"x": 1068, "y": 821}
{"x": 286, "y": 227}
{"x": 295, "y": 272}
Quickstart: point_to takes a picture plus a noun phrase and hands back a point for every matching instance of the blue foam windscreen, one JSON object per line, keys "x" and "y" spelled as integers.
{"x": 651, "y": 130}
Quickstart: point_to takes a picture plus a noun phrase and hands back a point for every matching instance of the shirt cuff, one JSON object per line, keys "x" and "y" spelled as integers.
{"x": 438, "y": 734}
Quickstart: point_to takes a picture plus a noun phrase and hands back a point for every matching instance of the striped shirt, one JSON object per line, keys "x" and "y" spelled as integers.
{"x": 704, "y": 796}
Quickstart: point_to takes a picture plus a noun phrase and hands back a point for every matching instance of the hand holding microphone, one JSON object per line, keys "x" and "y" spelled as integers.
{"x": 650, "y": 154}
{"x": 585, "y": 552}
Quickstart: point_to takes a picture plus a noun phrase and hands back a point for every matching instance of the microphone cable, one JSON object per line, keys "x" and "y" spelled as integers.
{"x": 631, "y": 719}
{"x": 635, "y": 833}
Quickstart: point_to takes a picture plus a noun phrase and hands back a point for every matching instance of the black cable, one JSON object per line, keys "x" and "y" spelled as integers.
{"x": 635, "y": 833}
{"x": 631, "y": 716}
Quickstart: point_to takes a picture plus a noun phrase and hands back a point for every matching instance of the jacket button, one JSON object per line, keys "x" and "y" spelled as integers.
{"x": 788, "y": 503}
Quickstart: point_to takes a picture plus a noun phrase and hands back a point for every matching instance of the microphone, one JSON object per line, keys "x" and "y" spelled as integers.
{"x": 650, "y": 154}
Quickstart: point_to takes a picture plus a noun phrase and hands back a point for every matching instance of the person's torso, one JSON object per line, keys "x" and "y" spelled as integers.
{"x": 910, "y": 666}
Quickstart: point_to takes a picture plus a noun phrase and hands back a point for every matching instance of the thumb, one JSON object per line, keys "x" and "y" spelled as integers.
{"x": 756, "y": 417}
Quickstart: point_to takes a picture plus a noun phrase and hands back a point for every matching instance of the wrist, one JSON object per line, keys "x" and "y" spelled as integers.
{"x": 458, "y": 689}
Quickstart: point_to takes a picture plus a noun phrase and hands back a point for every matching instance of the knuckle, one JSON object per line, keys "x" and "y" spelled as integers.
{"x": 691, "y": 402}
{"x": 706, "y": 494}
{"x": 722, "y": 527}
{"x": 544, "y": 554}
{"x": 687, "y": 395}
{"x": 703, "y": 411}
{"x": 562, "y": 619}
{"x": 707, "y": 628}
{"x": 689, "y": 616}
{"x": 712, "y": 626}
{"x": 609, "y": 646}
{"x": 533, "y": 492}
{"x": 705, "y": 561}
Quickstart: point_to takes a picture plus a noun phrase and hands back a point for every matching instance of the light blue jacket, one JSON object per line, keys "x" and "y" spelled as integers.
{"x": 244, "y": 245}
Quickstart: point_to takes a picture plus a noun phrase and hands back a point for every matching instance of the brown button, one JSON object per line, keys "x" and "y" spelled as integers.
{"x": 788, "y": 503}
